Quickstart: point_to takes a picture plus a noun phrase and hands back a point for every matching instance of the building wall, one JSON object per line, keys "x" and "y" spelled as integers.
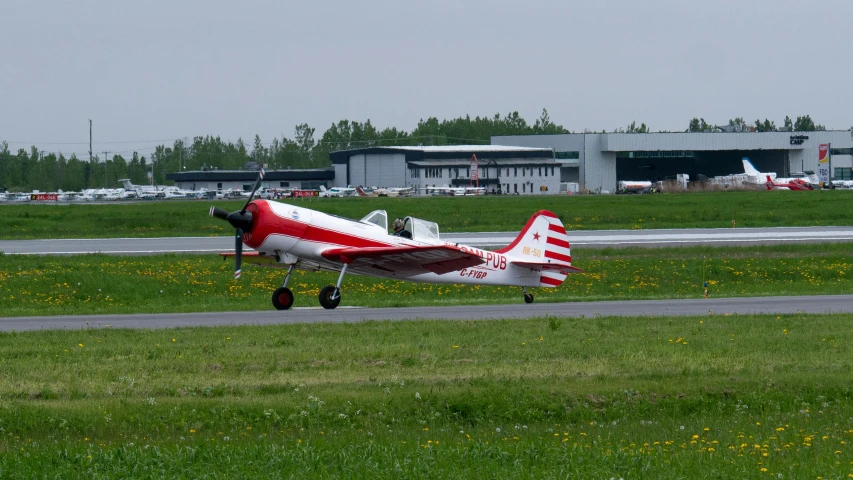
{"x": 341, "y": 179}
{"x": 597, "y": 151}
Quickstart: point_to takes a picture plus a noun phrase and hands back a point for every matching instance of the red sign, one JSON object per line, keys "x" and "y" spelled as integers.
{"x": 823, "y": 150}
{"x": 305, "y": 193}
{"x": 44, "y": 197}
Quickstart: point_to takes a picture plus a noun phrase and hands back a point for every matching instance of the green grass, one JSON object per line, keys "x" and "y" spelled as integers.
{"x": 702, "y": 397}
{"x": 94, "y": 284}
{"x": 470, "y": 214}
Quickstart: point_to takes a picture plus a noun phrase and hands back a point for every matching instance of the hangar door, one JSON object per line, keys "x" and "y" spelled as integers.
{"x": 384, "y": 170}
{"x": 356, "y": 170}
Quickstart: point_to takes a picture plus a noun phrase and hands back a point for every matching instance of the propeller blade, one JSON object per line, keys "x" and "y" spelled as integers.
{"x": 218, "y": 213}
{"x": 254, "y": 189}
{"x": 238, "y": 247}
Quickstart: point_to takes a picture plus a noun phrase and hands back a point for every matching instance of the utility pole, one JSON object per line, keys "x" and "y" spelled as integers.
{"x": 90, "y": 140}
{"x": 105, "y": 168}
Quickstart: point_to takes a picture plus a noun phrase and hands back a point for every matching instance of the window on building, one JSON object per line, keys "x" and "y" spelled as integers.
{"x": 283, "y": 184}
{"x": 523, "y": 188}
{"x": 567, "y": 155}
{"x": 843, "y": 173}
{"x": 219, "y": 186}
{"x": 514, "y": 171}
{"x": 515, "y": 187}
{"x": 414, "y": 173}
{"x": 247, "y": 187}
{"x": 540, "y": 171}
{"x": 841, "y": 151}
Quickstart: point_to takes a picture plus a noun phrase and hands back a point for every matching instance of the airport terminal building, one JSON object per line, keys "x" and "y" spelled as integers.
{"x": 599, "y": 160}
{"x": 497, "y": 168}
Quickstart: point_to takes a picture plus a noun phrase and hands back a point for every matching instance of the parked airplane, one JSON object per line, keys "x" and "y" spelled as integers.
{"x": 791, "y": 184}
{"x": 376, "y": 192}
{"x": 288, "y": 236}
{"x": 337, "y": 192}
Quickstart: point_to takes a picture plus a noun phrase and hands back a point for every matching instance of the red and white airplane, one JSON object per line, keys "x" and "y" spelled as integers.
{"x": 788, "y": 184}
{"x": 289, "y": 236}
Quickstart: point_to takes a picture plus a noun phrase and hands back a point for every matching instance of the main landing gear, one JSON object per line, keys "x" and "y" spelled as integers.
{"x": 528, "y": 297}
{"x": 282, "y": 297}
{"x": 330, "y": 296}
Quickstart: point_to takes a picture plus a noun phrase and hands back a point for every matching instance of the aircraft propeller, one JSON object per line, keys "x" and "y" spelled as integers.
{"x": 241, "y": 220}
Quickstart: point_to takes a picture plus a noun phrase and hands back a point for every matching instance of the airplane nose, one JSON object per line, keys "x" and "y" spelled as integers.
{"x": 241, "y": 220}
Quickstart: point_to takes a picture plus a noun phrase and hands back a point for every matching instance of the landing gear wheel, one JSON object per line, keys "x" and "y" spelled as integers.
{"x": 330, "y": 297}
{"x": 528, "y": 298}
{"x": 282, "y": 298}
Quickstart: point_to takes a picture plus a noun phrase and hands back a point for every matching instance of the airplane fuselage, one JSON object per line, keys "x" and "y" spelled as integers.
{"x": 290, "y": 232}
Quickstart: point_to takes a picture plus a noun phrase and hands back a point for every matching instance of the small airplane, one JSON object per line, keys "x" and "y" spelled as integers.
{"x": 287, "y": 236}
{"x": 788, "y": 184}
{"x": 337, "y": 192}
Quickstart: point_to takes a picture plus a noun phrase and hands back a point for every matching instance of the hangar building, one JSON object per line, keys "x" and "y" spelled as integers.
{"x": 599, "y": 160}
{"x": 245, "y": 179}
{"x": 500, "y": 169}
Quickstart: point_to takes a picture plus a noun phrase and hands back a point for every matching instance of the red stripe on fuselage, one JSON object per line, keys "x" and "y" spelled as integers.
{"x": 550, "y": 281}
{"x": 323, "y": 235}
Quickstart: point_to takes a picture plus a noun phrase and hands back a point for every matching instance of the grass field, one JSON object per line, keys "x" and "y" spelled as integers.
{"x": 169, "y": 283}
{"x": 703, "y": 397}
{"x": 469, "y": 214}
{"x": 750, "y": 396}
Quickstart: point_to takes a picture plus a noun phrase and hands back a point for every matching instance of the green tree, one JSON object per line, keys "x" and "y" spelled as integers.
{"x": 766, "y": 126}
{"x": 789, "y": 125}
{"x": 806, "y": 124}
{"x": 699, "y": 125}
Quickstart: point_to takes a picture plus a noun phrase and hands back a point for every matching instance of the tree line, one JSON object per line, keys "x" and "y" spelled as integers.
{"x": 33, "y": 169}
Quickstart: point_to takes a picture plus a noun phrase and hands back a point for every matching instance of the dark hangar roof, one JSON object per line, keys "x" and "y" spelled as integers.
{"x": 417, "y": 153}
{"x": 250, "y": 175}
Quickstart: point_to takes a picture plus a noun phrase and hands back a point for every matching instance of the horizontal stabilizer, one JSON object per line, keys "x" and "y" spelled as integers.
{"x": 554, "y": 267}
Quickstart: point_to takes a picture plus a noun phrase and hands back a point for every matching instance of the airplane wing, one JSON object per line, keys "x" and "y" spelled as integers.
{"x": 405, "y": 261}
{"x": 555, "y": 267}
{"x": 256, "y": 258}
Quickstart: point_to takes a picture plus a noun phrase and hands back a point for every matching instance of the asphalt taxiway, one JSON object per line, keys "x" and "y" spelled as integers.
{"x": 578, "y": 238}
{"x": 631, "y": 308}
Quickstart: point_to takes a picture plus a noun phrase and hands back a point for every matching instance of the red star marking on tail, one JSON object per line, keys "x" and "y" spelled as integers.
{"x": 536, "y": 236}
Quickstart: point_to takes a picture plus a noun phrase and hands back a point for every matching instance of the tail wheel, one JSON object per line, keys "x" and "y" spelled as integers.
{"x": 528, "y": 298}
{"x": 282, "y": 298}
{"x": 330, "y": 297}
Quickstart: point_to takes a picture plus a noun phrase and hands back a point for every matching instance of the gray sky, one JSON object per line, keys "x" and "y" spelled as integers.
{"x": 150, "y": 72}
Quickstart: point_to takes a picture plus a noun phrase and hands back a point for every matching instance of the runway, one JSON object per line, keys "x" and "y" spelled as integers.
{"x": 577, "y": 238}
{"x": 632, "y": 308}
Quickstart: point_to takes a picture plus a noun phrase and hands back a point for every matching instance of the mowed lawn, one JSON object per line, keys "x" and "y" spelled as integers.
{"x": 466, "y": 214}
{"x": 715, "y": 396}
{"x": 94, "y": 284}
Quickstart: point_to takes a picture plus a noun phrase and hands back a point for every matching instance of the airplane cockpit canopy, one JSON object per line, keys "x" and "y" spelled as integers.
{"x": 377, "y": 217}
{"x": 422, "y": 230}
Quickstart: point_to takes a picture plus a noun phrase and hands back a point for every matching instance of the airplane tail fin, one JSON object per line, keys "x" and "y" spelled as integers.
{"x": 361, "y": 191}
{"x": 748, "y": 168}
{"x": 769, "y": 184}
{"x": 322, "y": 188}
{"x": 127, "y": 185}
{"x": 543, "y": 246}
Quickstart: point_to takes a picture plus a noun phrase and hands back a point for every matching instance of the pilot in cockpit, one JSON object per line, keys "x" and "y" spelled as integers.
{"x": 399, "y": 229}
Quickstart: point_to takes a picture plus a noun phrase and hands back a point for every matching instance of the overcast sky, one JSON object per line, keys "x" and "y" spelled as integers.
{"x": 150, "y": 72}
